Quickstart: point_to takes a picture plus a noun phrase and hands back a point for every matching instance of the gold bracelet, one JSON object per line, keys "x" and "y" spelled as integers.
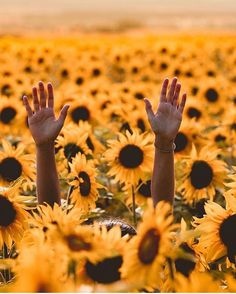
{"x": 166, "y": 150}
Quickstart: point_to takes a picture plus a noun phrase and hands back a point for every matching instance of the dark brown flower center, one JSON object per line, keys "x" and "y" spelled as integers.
{"x": 220, "y": 138}
{"x": 131, "y": 156}
{"x": 6, "y": 90}
{"x": 85, "y": 187}
{"x": 145, "y": 189}
{"x": 10, "y": 169}
{"x": 139, "y": 95}
{"x": 7, "y": 114}
{"x": 76, "y": 243}
{"x": 106, "y": 271}
{"x": 70, "y": 151}
{"x": 80, "y": 113}
{"x": 194, "y": 91}
{"x": 228, "y": 237}
{"x": 79, "y": 81}
{"x": 183, "y": 265}
{"x": 181, "y": 142}
{"x": 233, "y": 126}
{"x": 211, "y": 95}
{"x": 96, "y": 72}
{"x": 149, "y": 246}
{"x": 7, "y": 212}
{"x": 201, "y": 174}
{"x": 194, "y": 113}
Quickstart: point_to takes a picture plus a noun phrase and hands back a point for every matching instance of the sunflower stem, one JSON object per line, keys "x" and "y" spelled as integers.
{"x": 134, "y": 206}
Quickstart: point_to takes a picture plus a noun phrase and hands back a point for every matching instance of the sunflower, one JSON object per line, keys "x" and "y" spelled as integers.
{"x": 11, "y": 112}
{"x": 202, "y": 174}
{"x": 92, "y": 142}
{"x": 46, "y": 216}
{"x": 105, "y": 272}
{"x": 82, "y": 108}
{"x": 15, "y": 164}
{"x": 142, "y": 192}
{"x": 13, "y": 216}
{"x": 193, "y": 109}
{"x": 198, "y": 282}
{"x": 83, "y": 182}
{"x": 45, "y": 276}
{"x": 130, "y": 157}
{"x": 190, "y": 133}
{"x": 232, "y": 184}
{"x": 145, "y": 253}
{"x": 68, "y": 144}
{"x": 216, "y": 229}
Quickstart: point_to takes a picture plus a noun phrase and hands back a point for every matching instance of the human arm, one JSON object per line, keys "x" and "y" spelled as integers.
{"x": 45, "y": 127}
{"x": 165, "y": 124}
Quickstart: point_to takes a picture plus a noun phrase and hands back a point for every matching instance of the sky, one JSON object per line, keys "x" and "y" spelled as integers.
{"x": 34, "y": 14}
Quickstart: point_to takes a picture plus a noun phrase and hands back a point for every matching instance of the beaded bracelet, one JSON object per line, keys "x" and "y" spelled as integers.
{"x": 165, "y": 150}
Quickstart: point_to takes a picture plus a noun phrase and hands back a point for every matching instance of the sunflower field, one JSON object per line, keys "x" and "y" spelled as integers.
{"x": 104, "y": 157}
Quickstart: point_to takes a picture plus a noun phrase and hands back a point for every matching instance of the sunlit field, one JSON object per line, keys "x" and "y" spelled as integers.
{"x": 104, "y": 157}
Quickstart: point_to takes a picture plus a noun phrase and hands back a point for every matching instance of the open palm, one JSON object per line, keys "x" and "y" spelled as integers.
{"x": 43, "y": 124}
{"x": 166, "y": 121}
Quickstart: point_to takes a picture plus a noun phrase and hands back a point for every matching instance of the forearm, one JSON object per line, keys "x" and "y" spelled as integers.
{"x": 163, "y": 178}
{"x": 47, "y": 178}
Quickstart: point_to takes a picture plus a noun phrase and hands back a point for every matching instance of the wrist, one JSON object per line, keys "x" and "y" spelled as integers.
{"x": 45, "y": 145}
{"x": 164, "y": 144}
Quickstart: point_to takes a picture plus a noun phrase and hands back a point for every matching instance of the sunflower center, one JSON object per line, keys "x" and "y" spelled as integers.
{"x": 70, "y": 151}
{"x": 194, "y": 112}
{"x": 233, "y": 126}
{"x": 201, "y": 174}
{"x": 149, "y": 246}
{"x": 131, "y": 156}
{"x": 106, "y": 271}
{"x": 211, "y": 95}
{"x": 220, "y": 138}
{"x": 85, "y": 187}
{"x": 145, "y": 189}
{"x": 139, "y": 95}
{"x": 181, "y": 141}
{"x": 42, "y": 288}
{"x": 80, "y": 113}
{"x": 10, "y": 169}
{"x": 183, "y": 265}
{"x": 7, "y": 114}
{"x": 228, "y": 237}
{"x": 7, "y": 212}
{"x": 76, "y": 243}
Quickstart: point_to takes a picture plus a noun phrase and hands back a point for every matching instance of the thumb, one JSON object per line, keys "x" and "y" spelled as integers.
{"x": 63, "y": 113}
{"x": 149, "y": 110}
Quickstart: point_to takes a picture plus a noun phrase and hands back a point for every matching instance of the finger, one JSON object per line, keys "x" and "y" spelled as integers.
{"x": 149, "y": 110}
{"x": 50, "y": 96}
{"x": 42, "y": 95}
{"x": 27, "y": 106}
{"x": 35, "y": 99}
{"x": 63, "y": 113}
{"x": 182, "y": 104}
{"x": 164, "y": 90}
{"x": 171, "y": 90}
{"x": 176, "y": 95}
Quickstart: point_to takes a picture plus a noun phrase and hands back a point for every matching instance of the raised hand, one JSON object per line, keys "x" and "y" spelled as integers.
{"x": 166, "y": 121}
{"x": 43, "y": 124}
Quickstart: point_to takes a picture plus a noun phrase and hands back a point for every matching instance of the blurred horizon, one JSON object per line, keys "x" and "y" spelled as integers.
{"x": 104, "y": 15}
